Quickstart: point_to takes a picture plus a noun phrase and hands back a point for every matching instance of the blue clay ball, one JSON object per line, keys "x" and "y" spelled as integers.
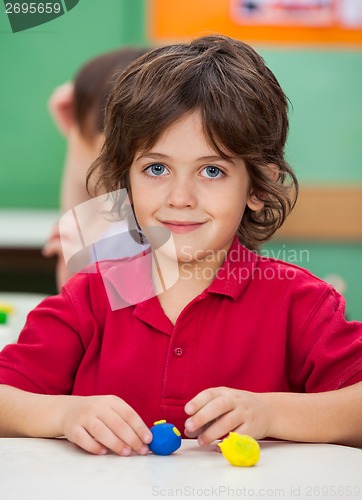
{"x": 166, "y": 438}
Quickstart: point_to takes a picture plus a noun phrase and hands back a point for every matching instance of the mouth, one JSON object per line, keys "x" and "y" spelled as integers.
{"x": 181, "y": 226}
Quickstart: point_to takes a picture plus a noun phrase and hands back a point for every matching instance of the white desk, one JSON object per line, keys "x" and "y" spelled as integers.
{"x": 37, "y": 469}
{"x": 23, "y": 303}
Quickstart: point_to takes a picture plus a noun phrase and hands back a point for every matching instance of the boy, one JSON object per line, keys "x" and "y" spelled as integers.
{"x": 196, "y": 134}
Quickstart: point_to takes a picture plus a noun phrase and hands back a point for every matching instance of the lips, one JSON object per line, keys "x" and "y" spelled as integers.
{"x": 176, "y": 226}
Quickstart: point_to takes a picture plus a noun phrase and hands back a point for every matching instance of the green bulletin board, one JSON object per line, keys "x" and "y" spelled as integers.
{"x": 32, "y": 63}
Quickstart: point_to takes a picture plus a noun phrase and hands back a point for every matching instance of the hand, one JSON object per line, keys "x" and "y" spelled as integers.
{"x": 101, "y": 423}
{"x": 53, "y": 245}
{"x": 217, "y": 411}
{"x": 61, "y": 107}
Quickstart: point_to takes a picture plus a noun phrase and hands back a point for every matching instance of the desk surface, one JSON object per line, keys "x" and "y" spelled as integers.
{"x": 55, "y": 469}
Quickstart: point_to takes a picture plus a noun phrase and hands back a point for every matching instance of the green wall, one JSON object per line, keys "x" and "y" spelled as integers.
{"x": 32, "y": 63}
{"x": 324, "y": 146}
{"x": 324, "y": 87}
{"x": 324, "y": 259}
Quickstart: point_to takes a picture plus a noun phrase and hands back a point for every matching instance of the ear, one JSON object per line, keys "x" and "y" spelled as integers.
{"x": 61, "y": 107}
{"x": 255, "y": 201}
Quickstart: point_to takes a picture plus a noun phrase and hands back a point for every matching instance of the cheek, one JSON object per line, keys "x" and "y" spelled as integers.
{"x": 139, "y": 209}
{"x": 230, "y": 208}
{"x": 143, "y": 207}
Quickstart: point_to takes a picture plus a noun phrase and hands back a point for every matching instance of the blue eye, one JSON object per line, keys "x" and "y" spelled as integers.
{"x": 156, "y": 170}
{"x": 212, "y": 172}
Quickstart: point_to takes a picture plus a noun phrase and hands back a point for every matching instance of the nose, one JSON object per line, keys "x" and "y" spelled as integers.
{"x": 182, "y": 193}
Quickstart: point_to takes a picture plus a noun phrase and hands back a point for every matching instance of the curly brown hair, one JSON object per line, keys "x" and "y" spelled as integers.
{"x": 244, "y": 114}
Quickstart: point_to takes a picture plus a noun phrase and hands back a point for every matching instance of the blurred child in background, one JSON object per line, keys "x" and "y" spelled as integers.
{"x": 78, "y": 109}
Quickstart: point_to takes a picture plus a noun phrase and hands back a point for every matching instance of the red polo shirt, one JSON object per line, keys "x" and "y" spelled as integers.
{"x": 262, "y": 325}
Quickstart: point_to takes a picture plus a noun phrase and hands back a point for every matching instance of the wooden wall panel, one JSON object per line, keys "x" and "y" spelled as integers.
{"x": 325, "y": 213}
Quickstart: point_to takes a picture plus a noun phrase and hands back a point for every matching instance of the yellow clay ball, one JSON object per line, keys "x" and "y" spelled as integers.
{"x": 240, "y": 450}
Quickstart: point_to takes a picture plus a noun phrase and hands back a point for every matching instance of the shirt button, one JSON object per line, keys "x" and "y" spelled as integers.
{"x": 178, "y": 352}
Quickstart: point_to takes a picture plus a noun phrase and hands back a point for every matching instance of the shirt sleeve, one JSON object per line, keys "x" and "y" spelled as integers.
{"x": 49, "y": 349}
{"x": 327, "y": 351}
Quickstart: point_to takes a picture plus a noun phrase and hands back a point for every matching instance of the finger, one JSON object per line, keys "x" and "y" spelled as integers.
{"x": 201, "y": 399}
{"x": 104, "y": 435}
{"x": 211, "y": 411}
{"x": 220, "y": 428}
{"x": 248, "y": 429}
{"x": 52, "y": 245}
{"x": 130, "y": 416}
{"x": 84, "y": 440}
{"x": 194, "y": 434}
{"x": 51, "y": 248}
{"x": 125, "y": 433}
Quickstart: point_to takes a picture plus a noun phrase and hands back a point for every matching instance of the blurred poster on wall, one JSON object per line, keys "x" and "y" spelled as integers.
{"x": 351, "y": 13}
{"x": 322, "y": 22}
{"x": 284, "y": 12}
{"x": 347, "y": 13}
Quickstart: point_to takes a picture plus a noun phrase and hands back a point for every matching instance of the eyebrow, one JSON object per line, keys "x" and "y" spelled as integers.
{"x": 160, "y": 156}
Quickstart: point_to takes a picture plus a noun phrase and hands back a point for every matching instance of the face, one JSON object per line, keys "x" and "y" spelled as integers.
{"x": 183, "y": 185}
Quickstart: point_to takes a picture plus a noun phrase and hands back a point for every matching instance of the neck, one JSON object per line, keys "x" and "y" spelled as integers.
{"x": 190, "y": 279}
{"x": 199, "y": 271}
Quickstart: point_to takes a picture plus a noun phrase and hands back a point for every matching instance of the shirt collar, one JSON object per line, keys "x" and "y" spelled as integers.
{"x": 236, "y": 271}
{"x": 129, "y": 281}
{"x": 231, "y": 280}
